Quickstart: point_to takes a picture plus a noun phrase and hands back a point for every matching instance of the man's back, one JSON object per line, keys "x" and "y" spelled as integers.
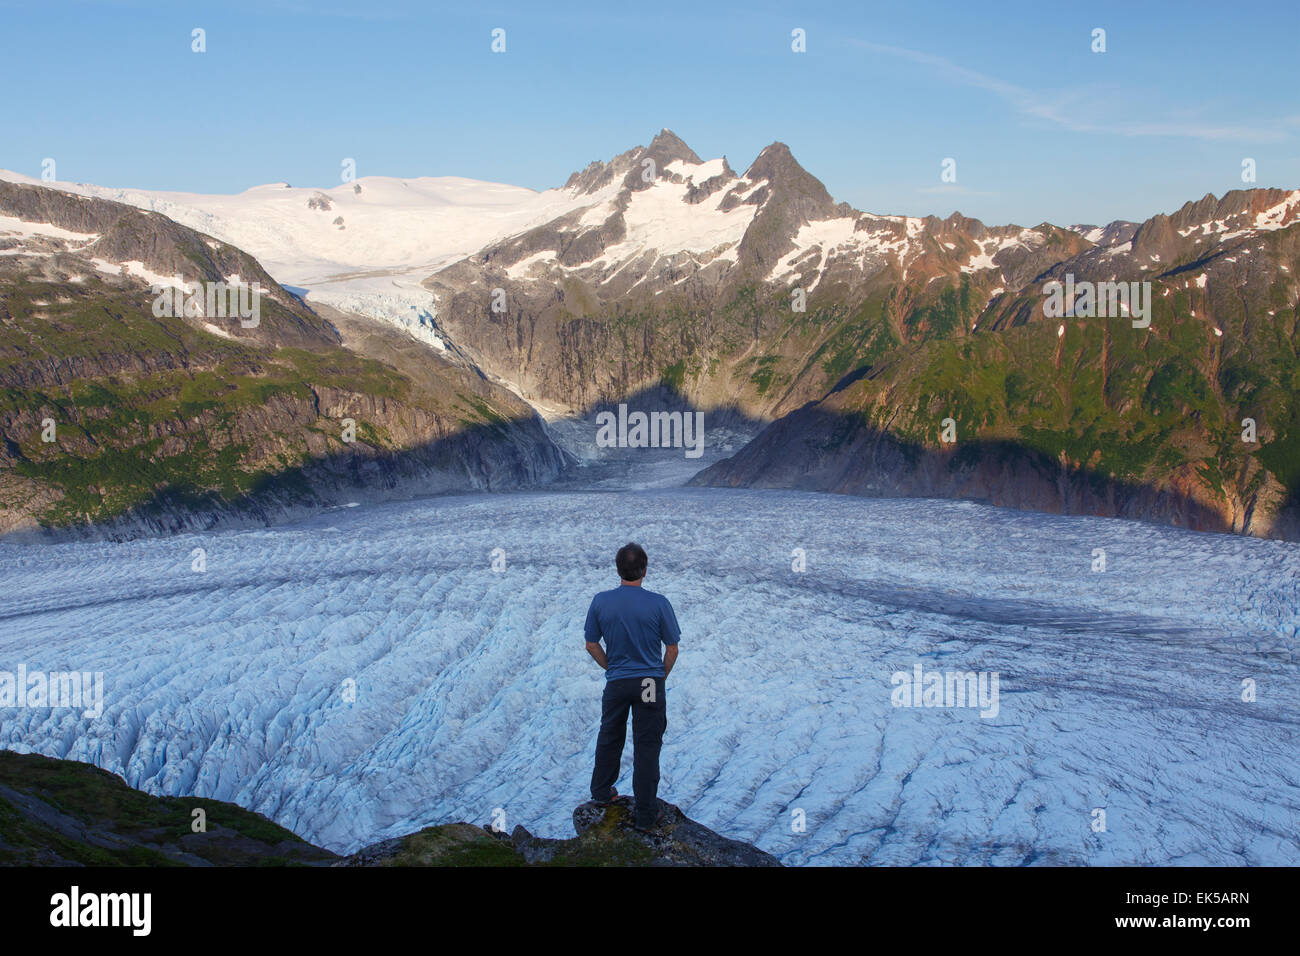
{"x": 635, "y": 624}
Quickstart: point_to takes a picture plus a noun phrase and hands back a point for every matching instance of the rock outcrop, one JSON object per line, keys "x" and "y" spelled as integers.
{"x": 67, "y": 813}
{"x": 605, "y": 837}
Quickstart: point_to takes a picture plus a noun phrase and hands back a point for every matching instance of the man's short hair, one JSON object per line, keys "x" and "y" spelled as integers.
{"x": 631, "y": 562}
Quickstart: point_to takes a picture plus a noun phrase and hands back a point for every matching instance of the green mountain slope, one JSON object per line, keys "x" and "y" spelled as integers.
{"x": 1084, "y": 414}
{"x": 111, "y": 414}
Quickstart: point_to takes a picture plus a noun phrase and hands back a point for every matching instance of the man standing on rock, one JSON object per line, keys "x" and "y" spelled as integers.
{"x": 634, "y": 622}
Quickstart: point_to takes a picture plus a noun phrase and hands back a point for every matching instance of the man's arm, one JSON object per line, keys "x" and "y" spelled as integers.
{"x": 670, "y": 634}
{"x": 592, "y": 635}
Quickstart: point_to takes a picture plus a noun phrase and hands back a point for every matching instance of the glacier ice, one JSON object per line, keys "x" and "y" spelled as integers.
{"x": 1120, "y": 690}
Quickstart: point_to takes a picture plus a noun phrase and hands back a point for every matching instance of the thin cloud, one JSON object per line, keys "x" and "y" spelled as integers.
{"x": 1059, "y": 111}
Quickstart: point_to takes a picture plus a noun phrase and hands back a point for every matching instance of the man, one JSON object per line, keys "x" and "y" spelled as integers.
{"x": 634, "y": 622}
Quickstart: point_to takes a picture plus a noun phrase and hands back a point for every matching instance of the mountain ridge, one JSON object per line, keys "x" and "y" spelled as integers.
{"x": 119, "y": 418}
{"x": 758, "y": 294}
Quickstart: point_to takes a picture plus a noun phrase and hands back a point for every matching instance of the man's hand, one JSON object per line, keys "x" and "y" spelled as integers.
{"x": 597, "y": 654}
{"x": 670, "y": 658}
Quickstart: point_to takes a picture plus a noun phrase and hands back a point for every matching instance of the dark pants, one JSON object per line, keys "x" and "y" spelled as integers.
{"x": 649, "y": 718}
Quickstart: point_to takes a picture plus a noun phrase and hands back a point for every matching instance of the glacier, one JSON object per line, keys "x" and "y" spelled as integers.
{"x": 375, "y": 669}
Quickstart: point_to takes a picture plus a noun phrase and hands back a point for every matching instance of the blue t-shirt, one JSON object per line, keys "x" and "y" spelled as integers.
{"x": 634, "y": 623}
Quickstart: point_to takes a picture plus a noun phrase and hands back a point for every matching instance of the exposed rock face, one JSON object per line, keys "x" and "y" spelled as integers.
{"x": 787, "y": 198}
{"x": 605, "y": 837}
{"x": 1111, "y": 234}
{"x": 676, "y": 841}
{"x": 680, "y": 270}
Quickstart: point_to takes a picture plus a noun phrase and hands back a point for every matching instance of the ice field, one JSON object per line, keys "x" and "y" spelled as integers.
{"x": 1119, "y": 690}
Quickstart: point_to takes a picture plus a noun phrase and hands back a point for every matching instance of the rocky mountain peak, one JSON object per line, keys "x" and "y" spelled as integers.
{"x": 789, "y": 198}
{"x": 777, "y": 165}
{"x": 669, "y": 146}
{"x": 1112, "y": 234}
{"x": 665, "y": 148}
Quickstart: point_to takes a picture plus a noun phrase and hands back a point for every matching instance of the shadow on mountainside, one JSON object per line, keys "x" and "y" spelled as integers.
{"x": 815, "y": 450}
{"x": 501, "y": 455}
{"x": 726, "y": 428}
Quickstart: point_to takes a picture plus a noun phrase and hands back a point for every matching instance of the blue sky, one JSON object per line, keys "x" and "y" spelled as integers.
{"x": 1041, "y": 127}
